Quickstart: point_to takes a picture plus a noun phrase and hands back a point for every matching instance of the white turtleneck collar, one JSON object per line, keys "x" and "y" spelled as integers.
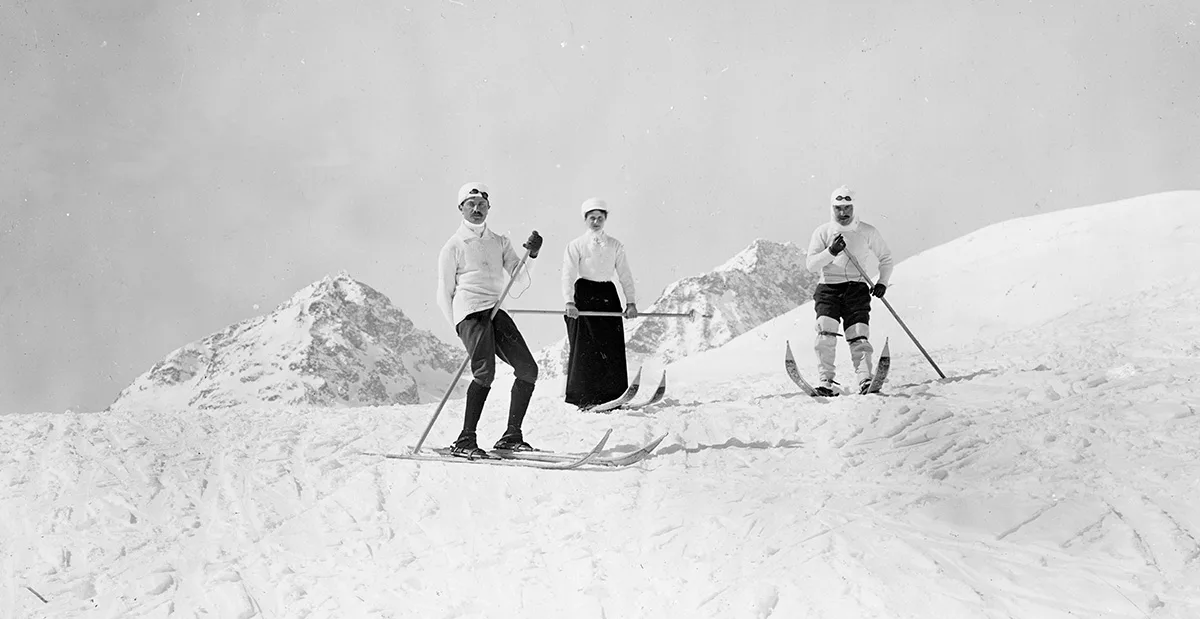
{"x": 476, "y": 229}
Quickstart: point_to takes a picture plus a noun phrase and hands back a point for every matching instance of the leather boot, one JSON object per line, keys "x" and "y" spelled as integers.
{"x": 513, "y": 440}
{"x": 466, "y": 444}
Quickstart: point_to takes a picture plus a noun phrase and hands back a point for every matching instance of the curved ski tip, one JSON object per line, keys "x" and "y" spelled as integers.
{"x": 603, "y": 441}
{"x": 885, "y": 352}
{"x": 652, "y": 445}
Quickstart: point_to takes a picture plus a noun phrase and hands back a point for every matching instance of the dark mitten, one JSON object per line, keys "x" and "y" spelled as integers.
{"x": 534, "y": 244}
{"x": 839, "y": 244}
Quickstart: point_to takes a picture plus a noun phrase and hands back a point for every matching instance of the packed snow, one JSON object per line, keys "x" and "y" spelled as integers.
{"x": 1053, "y": 473}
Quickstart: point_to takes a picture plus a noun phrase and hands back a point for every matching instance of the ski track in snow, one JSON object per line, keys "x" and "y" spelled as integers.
{"x": 1022, "y": 492}
{"x": 1053, "y": 474}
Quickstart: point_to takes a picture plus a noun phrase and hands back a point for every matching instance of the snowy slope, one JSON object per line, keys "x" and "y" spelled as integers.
{"x": 335, "y": 342}
{"x": 1017, "y": 275}
{"x": 1053, "y": 475}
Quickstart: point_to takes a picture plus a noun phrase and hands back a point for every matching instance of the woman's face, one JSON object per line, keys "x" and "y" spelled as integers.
{"x": 595, "y": 220}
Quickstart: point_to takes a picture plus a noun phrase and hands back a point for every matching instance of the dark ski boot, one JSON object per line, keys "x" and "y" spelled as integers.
{"x": 825, "y": 389}
{"x": 513, "y": 440}
{"x": 468, "y": 450}
{"x": 466, "y": 445}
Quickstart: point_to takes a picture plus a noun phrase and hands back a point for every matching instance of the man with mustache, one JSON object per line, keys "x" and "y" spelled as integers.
{"x": 473, "y": 269}
{"x": 842, "y": 294}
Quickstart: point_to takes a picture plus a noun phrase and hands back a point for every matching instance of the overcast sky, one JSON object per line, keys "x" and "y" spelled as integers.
{"x": 168, "y": 169}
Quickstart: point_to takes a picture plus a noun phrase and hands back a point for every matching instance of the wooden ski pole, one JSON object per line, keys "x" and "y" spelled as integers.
{"x": 690, "y": 314}
{"x": 895, "y": 315}
{"x": 470, "y": 353}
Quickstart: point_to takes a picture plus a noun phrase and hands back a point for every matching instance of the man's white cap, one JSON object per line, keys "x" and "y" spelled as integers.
{"x": 593, "y": 204}
{"x": 472, "y": 189}
{"x": 842, "y": 195}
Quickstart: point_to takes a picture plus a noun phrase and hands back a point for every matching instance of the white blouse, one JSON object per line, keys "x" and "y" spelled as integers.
{"x": 596, "y": 256}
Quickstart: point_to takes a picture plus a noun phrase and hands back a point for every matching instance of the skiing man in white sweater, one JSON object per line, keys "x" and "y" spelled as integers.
{"x": 842, "y": 294}
{"x": 473, "y": 268}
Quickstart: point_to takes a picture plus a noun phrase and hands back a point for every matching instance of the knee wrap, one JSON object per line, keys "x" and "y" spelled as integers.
{"x": 857, "y": 332}
{"x": 826, "y": 326}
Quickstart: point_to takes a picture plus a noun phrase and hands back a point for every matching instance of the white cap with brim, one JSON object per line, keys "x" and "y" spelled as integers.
{"x": 472, "y": 189}
{"x": 593, "y": 204}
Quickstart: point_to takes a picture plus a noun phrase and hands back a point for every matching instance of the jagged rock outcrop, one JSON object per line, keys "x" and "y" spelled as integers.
{"x": 337, "y": 342}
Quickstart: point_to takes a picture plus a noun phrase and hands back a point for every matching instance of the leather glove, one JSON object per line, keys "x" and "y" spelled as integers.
{"x": 630, "y": 311}
{"x": 878, "y": 290}
{"x": 839, "y": 244}
{"x": 572, "y": 311}
{"x": 534, "y": 244}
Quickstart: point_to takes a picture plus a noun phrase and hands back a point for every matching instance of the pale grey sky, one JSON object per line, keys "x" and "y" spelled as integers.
{"x": 168, "y": 169}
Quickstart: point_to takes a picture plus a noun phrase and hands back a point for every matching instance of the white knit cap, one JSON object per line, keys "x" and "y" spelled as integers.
{"x": 842, "y": 192}
{"x": 466, "y": 191}
{"x": 593, "y": 204}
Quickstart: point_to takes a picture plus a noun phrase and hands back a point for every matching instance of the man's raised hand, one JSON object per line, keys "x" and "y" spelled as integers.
{"x": 839, "y": 244}
{"x": 534, "y": 244}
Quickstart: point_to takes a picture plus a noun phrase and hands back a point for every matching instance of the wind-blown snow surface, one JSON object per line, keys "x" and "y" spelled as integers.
{"x": 1053, "y": 474}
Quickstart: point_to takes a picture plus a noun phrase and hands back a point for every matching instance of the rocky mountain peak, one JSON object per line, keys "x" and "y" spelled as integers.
{"x": 336, "y": 342}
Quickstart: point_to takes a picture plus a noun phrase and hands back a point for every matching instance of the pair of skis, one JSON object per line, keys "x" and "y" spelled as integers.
{"x": 595, "y": 460}
{"x": 881, "y": 372}
{"x": 537, "y": 459}
{"x": 623, "y": 400}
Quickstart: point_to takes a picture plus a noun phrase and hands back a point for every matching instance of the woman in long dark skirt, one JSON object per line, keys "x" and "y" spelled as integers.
{"x": 596, "y": 371}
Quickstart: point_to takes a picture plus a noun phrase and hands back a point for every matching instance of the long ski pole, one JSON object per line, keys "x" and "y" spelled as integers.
{"x": 895, "y": 315}
{"x": 470, "y": 353}
{"x": 691, "y": 314}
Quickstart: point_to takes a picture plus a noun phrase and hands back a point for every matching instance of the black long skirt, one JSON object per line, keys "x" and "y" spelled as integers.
{"x": 596, "y": 361}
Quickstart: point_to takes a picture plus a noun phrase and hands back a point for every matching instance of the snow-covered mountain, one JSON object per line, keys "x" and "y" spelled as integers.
{"x": 763, "y": 281}
{"x": 1051, "y": 475}
{"x": 1048, "y": 476}
{"x": 336, "y": 342}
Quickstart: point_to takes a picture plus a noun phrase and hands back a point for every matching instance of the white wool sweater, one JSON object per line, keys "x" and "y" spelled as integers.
{"x": 863, "y": 241}
{"x": 473, "y": 268}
